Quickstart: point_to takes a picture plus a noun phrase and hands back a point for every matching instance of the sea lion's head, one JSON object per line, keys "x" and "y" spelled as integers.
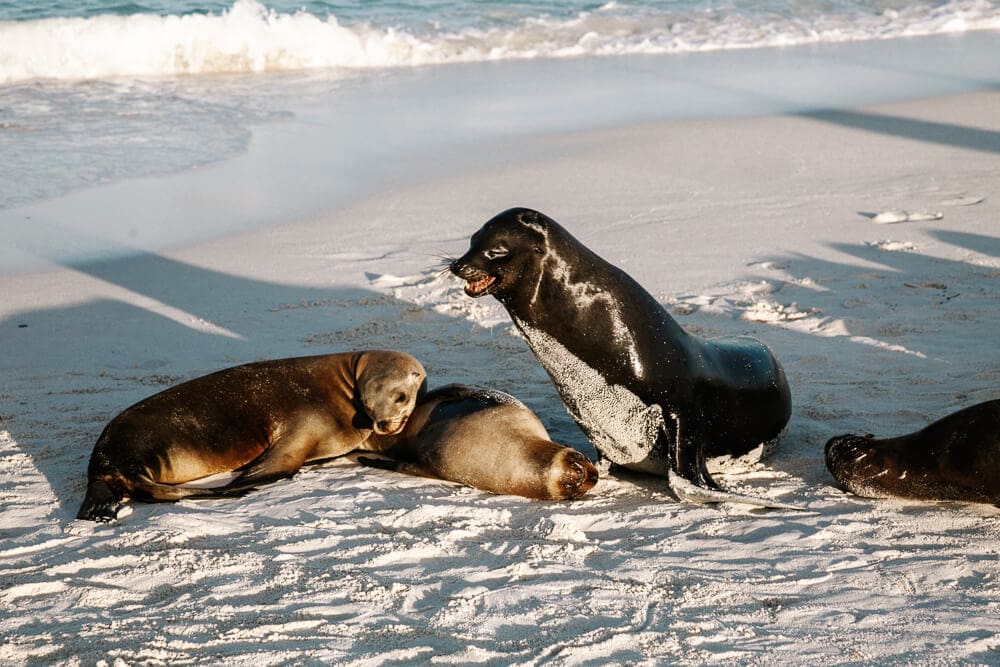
{"x": 573, "y": 477}
{"x": 854, "y": 459}
{"x": 505, "y": 252}
{"x": 388, "y": 385}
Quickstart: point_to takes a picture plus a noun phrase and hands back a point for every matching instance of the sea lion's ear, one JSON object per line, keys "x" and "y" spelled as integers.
{"x": 533, "y": 220}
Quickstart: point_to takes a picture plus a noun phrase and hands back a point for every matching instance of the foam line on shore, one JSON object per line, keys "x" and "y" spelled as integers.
{"x": 249, "y": 37}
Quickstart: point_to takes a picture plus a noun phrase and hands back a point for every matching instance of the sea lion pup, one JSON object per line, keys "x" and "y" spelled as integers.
{"x": 955, "y": 458}
{"x": 487, "y": 439}
{"x": 263, "y": 420}
{"x": 650, "y": 396}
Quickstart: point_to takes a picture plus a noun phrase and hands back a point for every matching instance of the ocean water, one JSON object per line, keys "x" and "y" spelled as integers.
{"x": 97, "y": 39}
{"x": 98, "y": 91}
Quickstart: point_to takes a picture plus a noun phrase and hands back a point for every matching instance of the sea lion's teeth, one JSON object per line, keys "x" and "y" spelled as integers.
{"x": 477, "y": 286}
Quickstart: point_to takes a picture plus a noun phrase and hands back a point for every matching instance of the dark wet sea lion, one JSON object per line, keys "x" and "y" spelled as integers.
{"x": 487, "y": 439}
{"x": 955, "y": 458}
{"x": 650, "y": 396}
{"x": 264, "y": 420}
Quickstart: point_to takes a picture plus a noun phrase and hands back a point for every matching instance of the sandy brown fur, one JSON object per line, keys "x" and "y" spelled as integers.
{"x": 497, "y": 447}
{"x": 264, "y": 420}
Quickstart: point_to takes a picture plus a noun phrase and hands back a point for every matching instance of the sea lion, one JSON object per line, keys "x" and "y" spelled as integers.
{"x": 650, "y": 396}
{"x": 487, "y": 439}
{"x": 955, "y": 458}
{"x": 263, "y": 420}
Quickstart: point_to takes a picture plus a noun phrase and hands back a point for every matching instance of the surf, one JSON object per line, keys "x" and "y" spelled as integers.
{"x": 249, "y": 37}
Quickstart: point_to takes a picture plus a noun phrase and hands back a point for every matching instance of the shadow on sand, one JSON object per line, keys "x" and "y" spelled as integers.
{"x": 198, "y": 319}
{"x": 945, "y": 134}
{"x": 68, "y": 370}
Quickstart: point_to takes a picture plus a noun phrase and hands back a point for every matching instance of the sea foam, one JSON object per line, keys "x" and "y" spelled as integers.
{"x": 249, "y": 37}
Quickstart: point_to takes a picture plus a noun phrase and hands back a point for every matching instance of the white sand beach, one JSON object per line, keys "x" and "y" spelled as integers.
{"x": 760, "y": 223}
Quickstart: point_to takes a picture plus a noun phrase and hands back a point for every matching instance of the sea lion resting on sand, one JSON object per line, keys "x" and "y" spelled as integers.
{"x": 650, "y": 396}
{"x": 263, "y": 420}
{"x": 486, "y": 439}
{"x": 955, "y": 458}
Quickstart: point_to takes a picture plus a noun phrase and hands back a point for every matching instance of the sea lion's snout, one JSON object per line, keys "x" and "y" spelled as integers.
{"x": 390, "y": 426}
{"x": 850, "y": 458}
{"x": 842, "y": 447}
{"x": 834, "y": 449}
{"x": 479, "y": 287}
{"x": 477, "y": 281}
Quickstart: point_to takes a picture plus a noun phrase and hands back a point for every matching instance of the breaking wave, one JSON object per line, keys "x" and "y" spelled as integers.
{"x": 249, "y": 37}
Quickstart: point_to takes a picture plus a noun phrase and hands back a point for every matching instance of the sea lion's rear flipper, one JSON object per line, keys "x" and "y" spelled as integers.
{"x": 101, "y": 503}
{"x": 149, "y": 491}
{"x": 690, "y": 481}
{"x": 691, "y": 493}
{"x": 405, "y": 467}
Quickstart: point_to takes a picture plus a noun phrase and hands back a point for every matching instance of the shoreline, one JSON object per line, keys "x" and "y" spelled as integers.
{"x": 345, "y": 144}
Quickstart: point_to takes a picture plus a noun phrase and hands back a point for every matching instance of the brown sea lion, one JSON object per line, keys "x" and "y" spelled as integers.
{"x": 955, "y": 458}
{"x": 486, "y": 439}
{"x": 263, "y": 420}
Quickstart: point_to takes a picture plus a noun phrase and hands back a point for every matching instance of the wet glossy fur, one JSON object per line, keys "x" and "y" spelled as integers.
{"x": 692, "y": 397}
{"x": 954, "y": 458}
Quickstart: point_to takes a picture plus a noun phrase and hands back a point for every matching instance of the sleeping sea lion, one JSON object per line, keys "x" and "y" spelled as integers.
{"x": 487, "y": 439}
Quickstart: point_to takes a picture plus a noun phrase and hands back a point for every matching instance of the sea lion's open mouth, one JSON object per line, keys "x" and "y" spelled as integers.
{"x": 480, "y": 286}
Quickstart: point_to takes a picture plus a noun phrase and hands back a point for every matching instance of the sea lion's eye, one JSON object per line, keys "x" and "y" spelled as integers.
{"x": 401, "y": 398}
{"x": 539, "y": 249}
{"x": 496, "y": 253}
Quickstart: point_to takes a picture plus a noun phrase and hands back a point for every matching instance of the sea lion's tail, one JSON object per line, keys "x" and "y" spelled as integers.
{"x": 690, "y": 492}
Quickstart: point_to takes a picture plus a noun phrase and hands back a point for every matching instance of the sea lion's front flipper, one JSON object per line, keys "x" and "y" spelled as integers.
{"x": 692, "y": 464}
{"x": 381, "y": 464}
{"x": 687, "y": 448}
{"x": 690, "y": 481}
{"x": 149, "y": 491}
{"x": 395, "y": 465}
{"x": 281, "y": 460}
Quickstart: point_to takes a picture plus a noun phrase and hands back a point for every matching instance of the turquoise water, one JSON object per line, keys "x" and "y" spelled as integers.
{"x": 466, "y": 13}
{"x": 455, "y": 14}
